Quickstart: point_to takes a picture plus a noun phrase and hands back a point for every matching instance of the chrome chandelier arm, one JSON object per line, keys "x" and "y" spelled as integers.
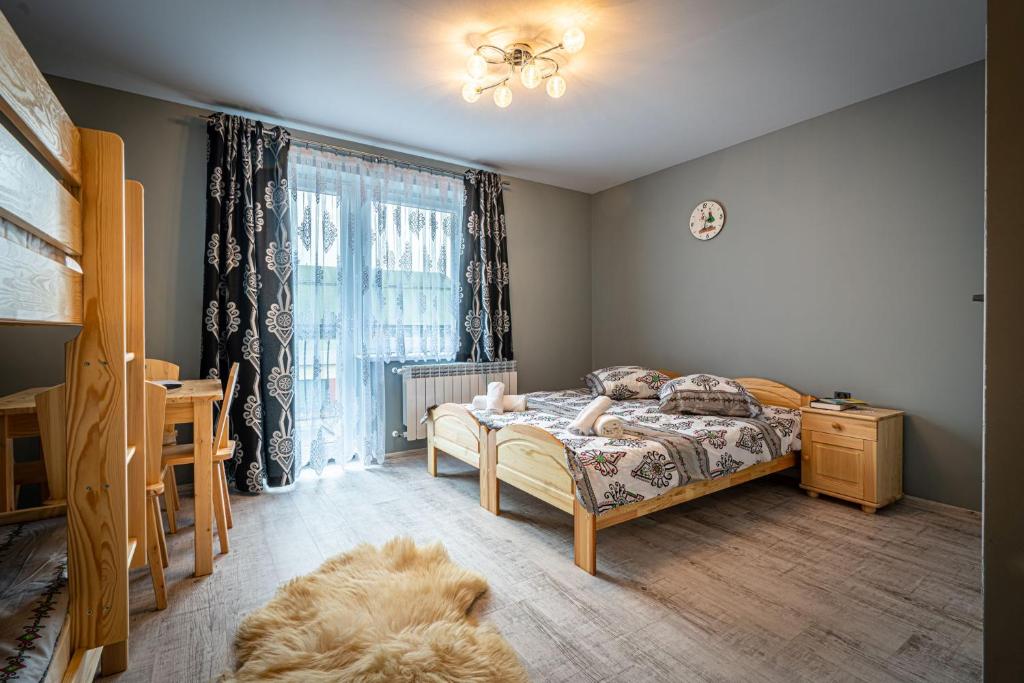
{"x": 494, "y": 48}
{"x": 551, "y": 61}
{"x": 550, "y": 49}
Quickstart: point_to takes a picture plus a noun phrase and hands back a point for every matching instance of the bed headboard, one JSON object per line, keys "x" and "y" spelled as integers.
{"x": 766, "y": 391}
{"x": 773, "y": 393}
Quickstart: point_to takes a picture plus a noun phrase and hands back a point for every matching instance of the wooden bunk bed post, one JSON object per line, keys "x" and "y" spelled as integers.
{"x": 81, "y": 216}
{"x": 97, "y": 420}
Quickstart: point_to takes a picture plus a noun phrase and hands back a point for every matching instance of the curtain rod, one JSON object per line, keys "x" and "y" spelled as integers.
{"x": 306, "y": 142}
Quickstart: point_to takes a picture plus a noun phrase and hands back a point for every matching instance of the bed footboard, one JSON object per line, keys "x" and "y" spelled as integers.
{"x": 453, "y": 430}
{"x": 533, "y": 460}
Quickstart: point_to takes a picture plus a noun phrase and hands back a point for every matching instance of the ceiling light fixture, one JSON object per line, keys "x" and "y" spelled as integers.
{"x": 534, "y": 68}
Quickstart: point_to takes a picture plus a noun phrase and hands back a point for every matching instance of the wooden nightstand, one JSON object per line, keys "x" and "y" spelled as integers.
{"x": 856, "y": 455}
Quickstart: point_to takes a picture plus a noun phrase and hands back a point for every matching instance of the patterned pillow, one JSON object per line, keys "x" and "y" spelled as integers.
{"x": 624, "y": 382}
{"x": 708, "y": 395}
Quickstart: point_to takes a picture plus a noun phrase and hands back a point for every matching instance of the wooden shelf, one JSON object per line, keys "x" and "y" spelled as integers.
{"x": 133, "y": 543}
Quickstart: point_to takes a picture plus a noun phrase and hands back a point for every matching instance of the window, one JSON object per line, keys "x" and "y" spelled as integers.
{"x": 376, "y": 255}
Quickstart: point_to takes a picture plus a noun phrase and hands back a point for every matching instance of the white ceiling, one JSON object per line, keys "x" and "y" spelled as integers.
{"x": 659, "y": 81}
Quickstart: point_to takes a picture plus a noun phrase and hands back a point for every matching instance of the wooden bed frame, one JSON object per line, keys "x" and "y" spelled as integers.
{"x": 532, "y": 460}
{"x": 65, "y": 186}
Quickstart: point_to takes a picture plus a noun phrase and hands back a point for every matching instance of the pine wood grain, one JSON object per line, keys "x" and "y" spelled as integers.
{"x": 51, "y": 412}
{"x": 32, "y": 199}
{"x": 135, "y": 332}
{"x": 96, "y": 409}
{"x": 36, "y": 289}
{"x": 21, "y": 402}
{"x": 533, "y": 460}
{"x": 202, "y": 482}
{"x": 854, "y": 455}
{"x": 28, "y": 102}
{"x": 773, "y": 393}
{"x": 156, "y": 402}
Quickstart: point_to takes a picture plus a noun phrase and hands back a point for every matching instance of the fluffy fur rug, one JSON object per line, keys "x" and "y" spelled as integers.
{"x": 397, "y": 613}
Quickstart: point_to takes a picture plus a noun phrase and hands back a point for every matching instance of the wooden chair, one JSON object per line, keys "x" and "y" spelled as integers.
{"x": 156, "y": 400}
{"x": 50, "y": 407}
{"x": 223, "y": 448}
{"x": 165, "y": 370}
{"x": 50, "y": 413}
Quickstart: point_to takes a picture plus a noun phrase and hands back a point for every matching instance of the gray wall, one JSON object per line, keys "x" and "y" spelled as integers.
{"x": 852, "y": 247}
{"x": 165, "y": 149}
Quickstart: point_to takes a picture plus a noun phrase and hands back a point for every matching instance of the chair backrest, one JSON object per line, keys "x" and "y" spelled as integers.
{"x": 156, "y": 403}
{"x": 51, "y": 414}
{"x": 161, "y": 369}
{"x": 221, "y": 440}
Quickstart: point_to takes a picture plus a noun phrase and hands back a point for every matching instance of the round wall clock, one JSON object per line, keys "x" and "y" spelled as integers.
{"x": 707, "y": 219}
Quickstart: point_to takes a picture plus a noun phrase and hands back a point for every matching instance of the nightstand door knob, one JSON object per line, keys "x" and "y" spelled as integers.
{"x": 836, "y": 426}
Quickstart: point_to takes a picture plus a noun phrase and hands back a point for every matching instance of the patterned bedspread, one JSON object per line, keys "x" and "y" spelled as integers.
{"x": 659, "y": 451}
{"x": 33, "y": 596}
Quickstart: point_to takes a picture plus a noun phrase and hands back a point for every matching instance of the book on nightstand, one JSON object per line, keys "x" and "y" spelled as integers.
{"x": 838, "y": 403}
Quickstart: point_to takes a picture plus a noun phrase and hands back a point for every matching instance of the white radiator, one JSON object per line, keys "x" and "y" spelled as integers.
{"x": 424, "y": 386}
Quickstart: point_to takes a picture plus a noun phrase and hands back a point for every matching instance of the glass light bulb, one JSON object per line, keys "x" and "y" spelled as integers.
{"x": 470, "y": 92}
{"x": 476, "y": 66}
{"x": 530, "y": 76}
{"x": 573, "y": 39}
{"x": 555, "y": 86}
{"x": 503, "y": 96}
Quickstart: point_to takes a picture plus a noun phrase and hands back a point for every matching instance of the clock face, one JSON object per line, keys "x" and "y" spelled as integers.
{"x": 707, "y": 220}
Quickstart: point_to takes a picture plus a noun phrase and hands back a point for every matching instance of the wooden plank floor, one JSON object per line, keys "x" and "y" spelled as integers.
{"x": 758, "y": 583}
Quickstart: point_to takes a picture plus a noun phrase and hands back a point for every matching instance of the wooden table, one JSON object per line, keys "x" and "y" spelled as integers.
{"x": 17, "y": 421}
{"x": 192, "y": 403}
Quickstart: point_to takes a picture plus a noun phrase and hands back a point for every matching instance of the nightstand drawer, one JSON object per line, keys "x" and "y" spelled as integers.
{"x": 834, "y": 463}
{"x": 858, "y": 429}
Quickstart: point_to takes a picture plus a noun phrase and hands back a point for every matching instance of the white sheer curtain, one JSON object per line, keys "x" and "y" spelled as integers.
{"x": 377, "y": 247}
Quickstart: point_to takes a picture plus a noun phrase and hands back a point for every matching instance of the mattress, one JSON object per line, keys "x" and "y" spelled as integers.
{"x": 659, "y": 451}
{"x": 33, "y": 596}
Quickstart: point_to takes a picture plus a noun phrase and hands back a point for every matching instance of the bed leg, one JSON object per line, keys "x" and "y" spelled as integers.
{"x": 584, "y": 538}
{"x": 114, "y": 658}
{"x": 431, "y": 451}
{"x": 490, "y": 491}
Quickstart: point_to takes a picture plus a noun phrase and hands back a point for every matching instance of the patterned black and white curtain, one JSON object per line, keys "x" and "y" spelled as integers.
{"x": 485, "y": 310}
{"x": 247, "y": 293}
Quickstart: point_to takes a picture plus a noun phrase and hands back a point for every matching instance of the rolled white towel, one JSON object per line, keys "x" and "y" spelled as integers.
{"x": 495, "y": 397}
{"x": 609, "y": 426}
{"x": 512, "y": 403}
{"x": 583, "y": 425}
